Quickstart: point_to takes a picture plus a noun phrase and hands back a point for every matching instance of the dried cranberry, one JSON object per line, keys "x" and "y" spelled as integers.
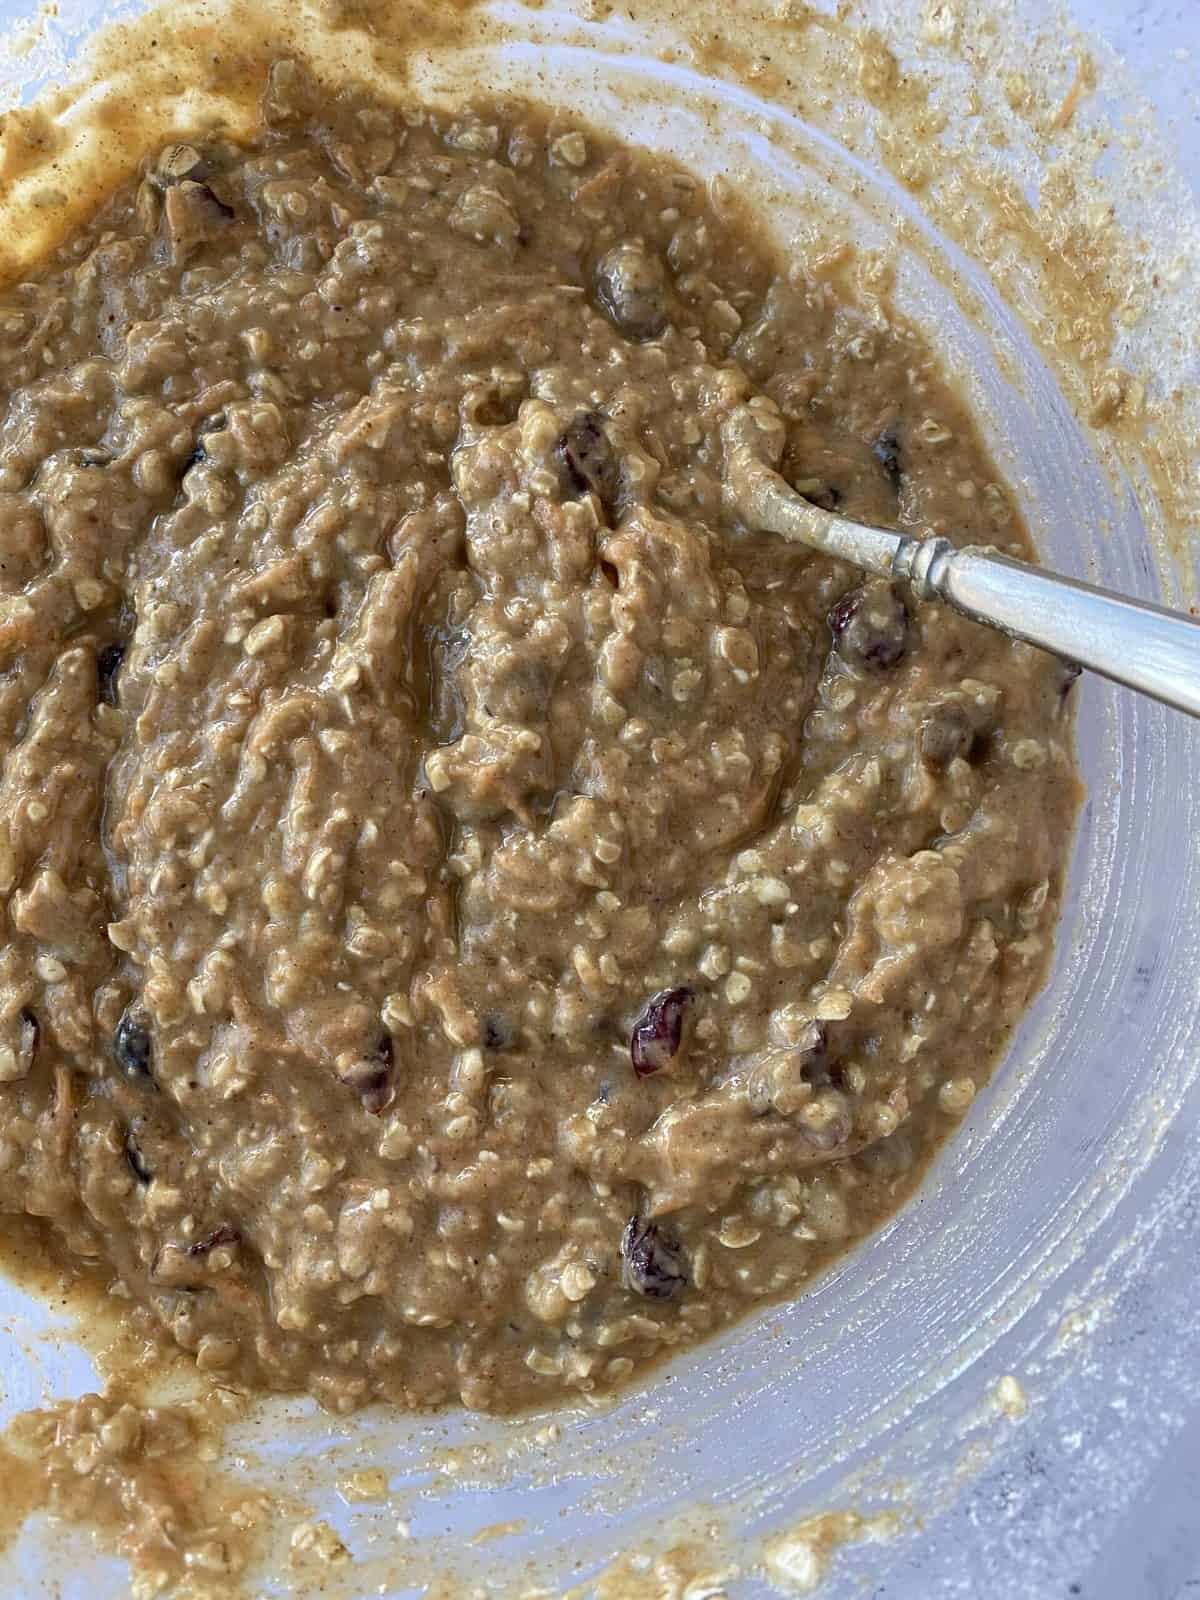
{"x": 213, "y": 424}
{"x": 870, "y": 627}
{"x": 133, "y": 1048}
{"x": 886, "y": 450}
{"x": 589, "y": 464}
{"x": 497, "y": 1033}
{"x": 657, "y": 1035}
{"x": 652, "y": 1263}
{"x": 108, "y": 664}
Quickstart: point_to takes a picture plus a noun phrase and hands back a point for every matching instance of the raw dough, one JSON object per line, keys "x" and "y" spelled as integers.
{"x": 475, "y": 916}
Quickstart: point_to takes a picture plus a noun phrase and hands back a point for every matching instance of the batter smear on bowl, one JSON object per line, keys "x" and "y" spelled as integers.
{"x": 475, "y": 916}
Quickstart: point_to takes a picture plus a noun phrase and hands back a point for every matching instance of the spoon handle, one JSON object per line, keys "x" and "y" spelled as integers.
{"x": 1143, "y": 646}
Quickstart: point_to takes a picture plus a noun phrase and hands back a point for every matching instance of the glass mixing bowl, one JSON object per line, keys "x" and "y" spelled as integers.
{"x": 1008, "y": 1369}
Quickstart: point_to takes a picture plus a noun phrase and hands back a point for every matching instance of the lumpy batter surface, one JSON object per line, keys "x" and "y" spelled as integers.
{"x": 475, "y": 916}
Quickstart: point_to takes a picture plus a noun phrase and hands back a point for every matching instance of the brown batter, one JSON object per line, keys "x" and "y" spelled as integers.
{"x": 475, "y": 915}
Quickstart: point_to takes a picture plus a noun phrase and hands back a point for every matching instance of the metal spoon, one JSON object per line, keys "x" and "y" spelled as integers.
{"x": 1143, "y": 646}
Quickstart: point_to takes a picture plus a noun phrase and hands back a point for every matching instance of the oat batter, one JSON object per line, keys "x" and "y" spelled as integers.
{"x": 475, "y": 916}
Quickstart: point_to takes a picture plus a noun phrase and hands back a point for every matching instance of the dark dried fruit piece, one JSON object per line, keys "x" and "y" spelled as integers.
{"x": 587, "y": 460}
{"x": 371, "y": 1076}
{"x": 886, "y": 450}
{"x": 137, "y": 1161}
{"x": 199, "y": 451}
{"x": 132, "y": 1047}
{"x": 108, "y": 665}
{"x": 219, "y": 1236}
{"x": 631, "y": 288}
{"x": 870, "y": 627}
{"x": 657, "y": 1037}
{"x": 946, "y": 732}
{"x": 652, "y": 1262}
{"x": 497, "y": 1033}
